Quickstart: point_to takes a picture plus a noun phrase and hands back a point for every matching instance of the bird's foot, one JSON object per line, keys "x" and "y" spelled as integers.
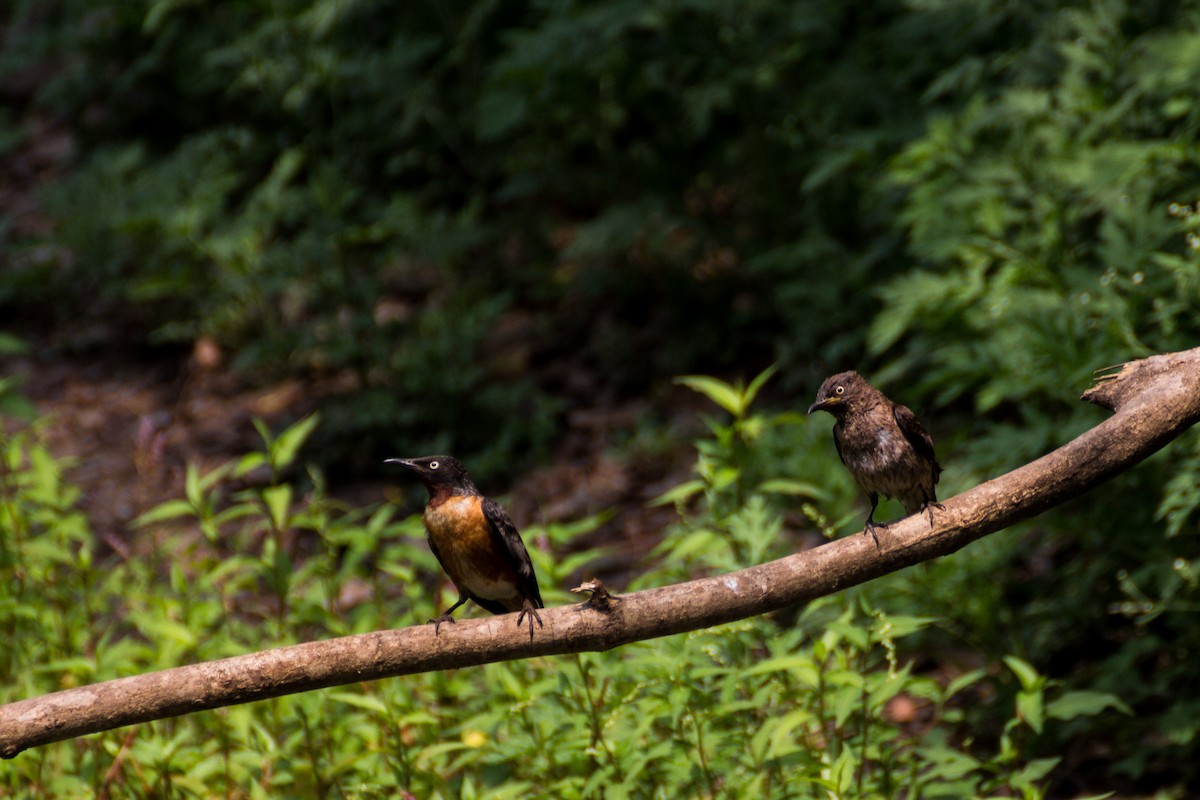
{"x": 929, "y": 507}
{"x": 870, "y": 528}
{"x": 529, "y": 610}
{"x": 437, "y": 623}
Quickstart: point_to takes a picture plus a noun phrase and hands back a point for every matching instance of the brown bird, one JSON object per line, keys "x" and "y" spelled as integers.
{"x": 475, "y": 542}
{"x": 882, "y": 444}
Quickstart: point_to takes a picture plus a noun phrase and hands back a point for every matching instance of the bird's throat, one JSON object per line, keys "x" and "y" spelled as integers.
{"x": 439, "y": 494}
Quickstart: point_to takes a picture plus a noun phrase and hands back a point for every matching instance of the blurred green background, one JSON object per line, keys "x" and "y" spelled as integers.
{"x": 474, "y": 218}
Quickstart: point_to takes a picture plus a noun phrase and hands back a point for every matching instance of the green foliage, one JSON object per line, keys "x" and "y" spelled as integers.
{"x": 1051, "y": 209}
{"x": 738, "y": 476}
{"x": 426, "y": 205}
{"x": 12, "y": 402}
{"x": 764, "y": 707}
{"x": 384, "y": 193}
{"x": 1054, "y": 227}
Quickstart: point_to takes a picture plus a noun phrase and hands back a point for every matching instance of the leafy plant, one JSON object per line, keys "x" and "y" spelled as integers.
{"x": 802, "y": 707}
{"x": 1051, "y": 211}
{"x": 423, "y": 208}
{"x": 458, "y": 221}
{"x": 12, "y": 402}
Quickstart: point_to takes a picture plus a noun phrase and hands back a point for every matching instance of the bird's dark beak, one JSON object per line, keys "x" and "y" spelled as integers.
{"x": 404, "y": 462}
{"x": 820, "y": 405}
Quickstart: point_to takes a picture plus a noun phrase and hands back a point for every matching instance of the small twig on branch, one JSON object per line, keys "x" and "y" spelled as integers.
{"x": 599, "y": 599}
{"x": 1154, "y": 401}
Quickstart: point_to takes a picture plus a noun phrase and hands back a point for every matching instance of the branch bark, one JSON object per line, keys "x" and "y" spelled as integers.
{"x": 1154, "y": 400}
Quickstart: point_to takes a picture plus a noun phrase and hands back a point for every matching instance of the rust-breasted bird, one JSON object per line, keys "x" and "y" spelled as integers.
{"x": 882, "y": 443}
{"x": 475, "y": 542}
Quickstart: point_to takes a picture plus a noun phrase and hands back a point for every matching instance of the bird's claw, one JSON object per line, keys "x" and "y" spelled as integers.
{"x": 529, "y": 610}
{"x": 437, "y": 622}
{"x": 929, "y": 507}
{"x": 870, "y": 528}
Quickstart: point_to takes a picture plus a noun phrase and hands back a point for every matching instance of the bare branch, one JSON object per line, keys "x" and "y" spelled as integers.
{"x": 1154, "y": 401}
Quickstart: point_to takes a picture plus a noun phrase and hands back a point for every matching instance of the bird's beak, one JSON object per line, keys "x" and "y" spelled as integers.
{"x": 404, "y": 462}
{"x": 822, "y": 404}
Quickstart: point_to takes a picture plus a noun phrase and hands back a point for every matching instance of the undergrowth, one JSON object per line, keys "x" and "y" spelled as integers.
{"x": 823, "y": 701}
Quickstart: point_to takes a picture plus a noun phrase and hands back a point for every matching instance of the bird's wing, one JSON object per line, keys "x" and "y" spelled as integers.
{"x": 436, "y": 554}
{"x": 837, "y": 441}
{"x": 915, "y": 433}
{"x": 506, "y": 536}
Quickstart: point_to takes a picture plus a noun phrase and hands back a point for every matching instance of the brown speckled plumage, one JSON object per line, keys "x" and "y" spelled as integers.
{"x": 882, "y": 443}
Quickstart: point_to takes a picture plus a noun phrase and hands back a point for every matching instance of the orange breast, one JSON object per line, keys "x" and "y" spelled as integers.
{"x": 469, "y": 554}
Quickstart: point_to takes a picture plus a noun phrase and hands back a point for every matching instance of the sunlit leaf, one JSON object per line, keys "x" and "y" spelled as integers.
{"x": 679, "y": 494}
{"x": 721, "y": 393}
{"x": 171, "y": 509}
{"x": 283, "y": 450}
{"x": 1026, "y": 674}
{"x": 278, "y": 500}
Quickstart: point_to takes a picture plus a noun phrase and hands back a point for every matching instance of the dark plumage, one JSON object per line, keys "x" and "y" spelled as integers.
{"x": 882, "y": 444}
{"x": 475, "y": 542}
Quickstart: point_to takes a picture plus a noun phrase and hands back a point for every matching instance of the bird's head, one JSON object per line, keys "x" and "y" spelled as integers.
{"x": 438, "y": 473}
{"x": 839, "y": 392}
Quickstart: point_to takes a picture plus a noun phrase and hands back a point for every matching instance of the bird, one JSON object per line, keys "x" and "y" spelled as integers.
{"x": 882, "y": 444}
{"x": 475, "y": 542}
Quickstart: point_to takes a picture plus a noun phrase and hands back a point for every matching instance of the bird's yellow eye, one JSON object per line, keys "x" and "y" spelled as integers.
{"x": 839, "y": 391}
{"x": 433, "y": 465}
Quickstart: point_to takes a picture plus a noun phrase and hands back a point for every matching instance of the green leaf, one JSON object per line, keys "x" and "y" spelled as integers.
{"x": 724, "y": 476}
{"x": 283, "y": 450}
{"x": 843, "y": 768}
{"x": 1026, "y": 674}
{"x": 718, "y": 391}
{"x": 278, "y": 500}
{"x": 963, "y": 681}
{"x": 793, "y": 488}
{"x": 1084, "y": 704}
{"x": 1029, "y": 709}
{"x": 756, "y": 385}
{"x": 899, "y": 626}
{"x": 76, "y": 665}
{"x": 948, "y": 764}
{"x": 264, "y": 431}
{"x": 679, "y": 494}
{"x": 215, "y": 476}
{"x": 12, "y": 403}
{"x": 166, "y": 630}
{"x": 779, "y": 739}
{"x": 236, "y": 512}
{"x": 1035, "y": 770}
{"x": 191, "y": 486}
{"x": 364, "y": 701}
{"x": 801, "y": 667}
{"x": 168, "y": 510}
{"x": 249, "y": 463}
{"x": 12, "y": 345}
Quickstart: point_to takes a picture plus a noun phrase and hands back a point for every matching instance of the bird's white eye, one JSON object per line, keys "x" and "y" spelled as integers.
{"x": 433, "y": 465}
{"x": 839, "y": 391}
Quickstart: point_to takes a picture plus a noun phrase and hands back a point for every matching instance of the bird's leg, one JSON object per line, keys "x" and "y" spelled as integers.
{"x": 446, "y": 615}
{"x": 871, "y": 523}
{"x": 530, "y": 610}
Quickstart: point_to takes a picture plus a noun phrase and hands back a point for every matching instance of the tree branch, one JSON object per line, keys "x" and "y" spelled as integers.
{"x": 1154, "y": 401}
